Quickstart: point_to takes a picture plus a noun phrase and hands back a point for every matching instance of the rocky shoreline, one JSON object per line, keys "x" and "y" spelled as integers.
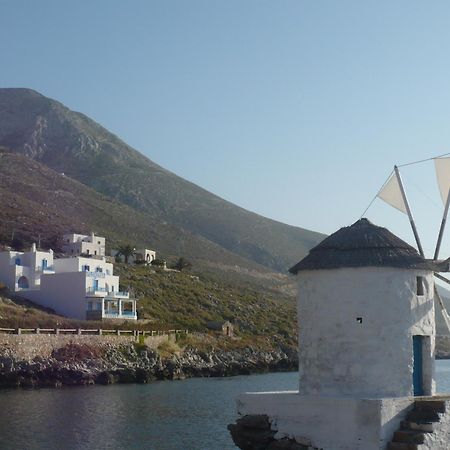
{"x": 86, "y": 364}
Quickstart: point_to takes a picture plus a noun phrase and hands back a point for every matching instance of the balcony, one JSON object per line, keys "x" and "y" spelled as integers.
{"x": 118, "y": 294}
{"x": 96, "y": 292}
{"x": 112, "y": 314}
{"x": 95, "y": 274}
{"x": 48, "y": 269}
{"x": 110, "y": 308}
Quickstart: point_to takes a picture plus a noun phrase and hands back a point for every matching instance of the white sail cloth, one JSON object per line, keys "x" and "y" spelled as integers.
{"x": 442, "y": 166}
{"x": 392, "y": 195}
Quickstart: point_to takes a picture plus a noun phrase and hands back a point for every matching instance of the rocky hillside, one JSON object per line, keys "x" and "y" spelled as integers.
{"x": 69, "y": 142}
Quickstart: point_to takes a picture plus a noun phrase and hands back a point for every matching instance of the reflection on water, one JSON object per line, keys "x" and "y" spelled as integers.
{"x": 179, "y": 415}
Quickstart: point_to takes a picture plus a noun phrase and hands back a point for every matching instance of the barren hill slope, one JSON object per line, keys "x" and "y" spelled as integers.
{"x": 38, "y": 203}
{"x": 69, "y": 142}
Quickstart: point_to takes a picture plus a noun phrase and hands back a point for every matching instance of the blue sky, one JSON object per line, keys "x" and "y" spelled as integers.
{"x": 296, "y": 110}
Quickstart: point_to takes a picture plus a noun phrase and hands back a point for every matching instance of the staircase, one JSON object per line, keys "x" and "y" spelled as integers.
{"x": 420, "y": 421}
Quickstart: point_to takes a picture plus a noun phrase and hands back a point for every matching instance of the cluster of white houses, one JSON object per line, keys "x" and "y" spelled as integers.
{"x": 81, "y": 285}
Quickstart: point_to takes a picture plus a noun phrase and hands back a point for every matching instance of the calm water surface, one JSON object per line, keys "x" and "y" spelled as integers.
{"x": 178, "y": 415}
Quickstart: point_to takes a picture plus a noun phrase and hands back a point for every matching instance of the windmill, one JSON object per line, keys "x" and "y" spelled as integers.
{"x": 393, "y": 193}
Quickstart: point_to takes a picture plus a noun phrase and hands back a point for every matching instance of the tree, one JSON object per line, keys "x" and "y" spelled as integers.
{"x": 158, "y": 262}
{"x": 182, "y": 264}
{"x": 126, "y": 251}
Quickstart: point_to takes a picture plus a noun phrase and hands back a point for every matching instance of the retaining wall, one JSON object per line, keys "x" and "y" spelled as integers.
{"x": 27, "y": 347}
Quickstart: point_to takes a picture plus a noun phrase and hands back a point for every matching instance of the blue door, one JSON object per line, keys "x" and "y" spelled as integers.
{"x": 95, "y": 285}
{"x": 417, "y": 365}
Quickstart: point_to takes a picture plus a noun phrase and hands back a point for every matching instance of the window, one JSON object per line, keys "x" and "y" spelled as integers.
{"x": 89, "y": 306}
{"x": 17, "y": 262}
{"x": 95, "y": 252}
{"x": 87, "y": 251}
{"x": 85, "y": 268}
{"x": 420, "y": 286}
{"x": 98, "y": 242}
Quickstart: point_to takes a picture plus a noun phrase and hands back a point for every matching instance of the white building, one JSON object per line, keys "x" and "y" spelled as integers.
{"x": 23, "y": 270}
{"x": 80, "y": 244}
{"x": 366, "y": 344}
{"x": 77, "y": 287}
{"x": 144, "y": 254}
{"x": 141, "y": 254}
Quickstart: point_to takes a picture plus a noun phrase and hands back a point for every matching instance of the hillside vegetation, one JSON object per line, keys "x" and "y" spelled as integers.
{"x": 169, "y": 299}
{"x": 182, "y": 300}
{"x": 66, "y": 141}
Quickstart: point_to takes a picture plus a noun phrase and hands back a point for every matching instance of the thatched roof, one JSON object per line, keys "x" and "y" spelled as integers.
{"x": 362, "y": 244}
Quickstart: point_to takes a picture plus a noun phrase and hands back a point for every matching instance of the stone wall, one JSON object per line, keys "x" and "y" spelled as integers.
{"x": 27, "y": 347}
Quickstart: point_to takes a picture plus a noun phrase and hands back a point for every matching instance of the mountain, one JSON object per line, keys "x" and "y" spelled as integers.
{"x": 68, "y": 142}
{"x": 42, "y": 204}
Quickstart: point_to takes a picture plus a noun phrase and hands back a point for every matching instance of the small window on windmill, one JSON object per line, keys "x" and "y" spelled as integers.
{"x": 420, "y": 286}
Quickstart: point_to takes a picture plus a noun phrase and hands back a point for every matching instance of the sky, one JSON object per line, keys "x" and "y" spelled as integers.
{"x": 294, "y": 109}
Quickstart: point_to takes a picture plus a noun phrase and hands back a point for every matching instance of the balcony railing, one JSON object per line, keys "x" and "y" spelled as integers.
{"x": 93, "y": 290}
{"x": 46, "y": 269}
{"x": 95, "y": 274}
{"x": 108, "y": 314}
{"x": 118, "y": 294}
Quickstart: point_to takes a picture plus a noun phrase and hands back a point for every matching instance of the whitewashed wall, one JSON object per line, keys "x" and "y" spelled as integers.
{"x": 76, "y": 264}
{"x": 340, "y": 356}
{"x": 330, "y": 423}
{"x": 65, "y": 293}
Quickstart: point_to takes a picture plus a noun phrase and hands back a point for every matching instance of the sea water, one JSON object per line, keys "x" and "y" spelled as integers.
{"x": 164, "y": 415}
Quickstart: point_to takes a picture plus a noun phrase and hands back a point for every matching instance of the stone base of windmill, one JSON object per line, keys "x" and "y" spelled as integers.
{"x": 290, "y": 421}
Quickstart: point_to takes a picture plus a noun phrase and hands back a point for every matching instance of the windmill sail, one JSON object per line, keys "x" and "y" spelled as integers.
{"x": 442, "y": 166}
{"x": 443, "y": 310}
{"x": 392, "y": 194}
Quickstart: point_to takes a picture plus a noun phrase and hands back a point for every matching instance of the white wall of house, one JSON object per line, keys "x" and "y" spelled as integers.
{"x": 65, "y": 293}
{"x": 356, "y": 328}
{"x": 145, "y": 254}
{"x": 66, "y": 284}
{"x": 81, "y": 264}
{"x": 31, "y": 264}
{"x": 8, "y": 269}
{"x": 77, "y": 244}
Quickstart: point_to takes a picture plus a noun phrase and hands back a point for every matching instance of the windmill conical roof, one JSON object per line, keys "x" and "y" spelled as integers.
{"x": 362, "y": 244}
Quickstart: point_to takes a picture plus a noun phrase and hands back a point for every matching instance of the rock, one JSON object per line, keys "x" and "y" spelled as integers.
{"x": 85, "y": 365}
{"x": 253, "y": 432}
